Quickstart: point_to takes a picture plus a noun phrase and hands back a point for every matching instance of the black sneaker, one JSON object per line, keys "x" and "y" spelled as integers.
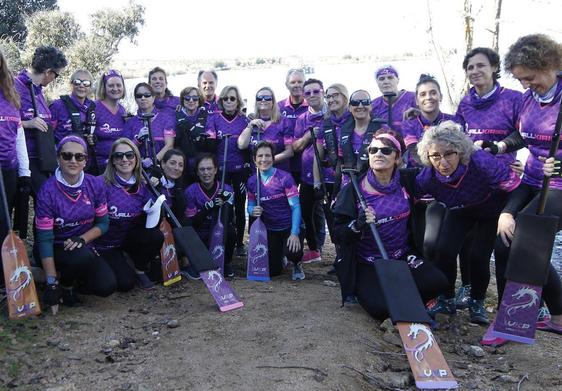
{"x": 228, "y": 270}
{"x": 477, "y": 312}
{"x": 69, "y": 297}
{"x": 240, "y": 251}
{"x": 443, "y": 306}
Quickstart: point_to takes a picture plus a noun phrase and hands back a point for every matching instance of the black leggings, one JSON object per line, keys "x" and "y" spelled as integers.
{"x": 277, "y": 247}
{"x": 528, "y": 198}
{"x": 238, "y": 182}
{"x": 85, "y": 265}
{"x": 429, "y": 280}
{"x": 308, "y": 206}
{"x": 10, "y": 178}
{"x": 455, "y": 227}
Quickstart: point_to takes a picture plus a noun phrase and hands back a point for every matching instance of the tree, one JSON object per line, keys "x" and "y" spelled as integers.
{"x": 14, "y": 12}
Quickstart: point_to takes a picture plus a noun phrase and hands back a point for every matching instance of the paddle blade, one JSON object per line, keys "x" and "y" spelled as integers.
{"x": 221, "y": 291}
{"x": 258, "y": 256}
{"x": 517, "y": 316}
{"x": 426, "y": 360}
{"x": 216, "y": 245}
{"x": 194, "y": 249}
{"x": 20, "y": 288}
{"x": 168, "y": 256}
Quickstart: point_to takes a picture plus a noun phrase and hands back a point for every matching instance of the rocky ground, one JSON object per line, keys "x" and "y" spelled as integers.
{"x": 288, "y": 336}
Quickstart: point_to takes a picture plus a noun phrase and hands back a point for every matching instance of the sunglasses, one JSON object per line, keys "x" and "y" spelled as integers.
{"x": 384, "y": 150}
{"x": 357, "y": 102}
{"x": 130, "y": 155}
{"x": 264, "y": 98}
{"x": 229, "y": 98}
{"x": 332, "y": 96}
{"x": 143, "y": 95}
{"x": 67, "y": 156}
{"x": 188, "y": 98}
{"x": 83, "y": 83}
{"x": 312, "y": 92}
{"x": 55, "y": 73}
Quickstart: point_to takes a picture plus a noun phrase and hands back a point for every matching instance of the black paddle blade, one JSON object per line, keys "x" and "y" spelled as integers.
{"x": 400, "y": 292}
{"x": 434, "y": 214}
{"x": 531, "y": 248}
{"x": 194, "y": 249}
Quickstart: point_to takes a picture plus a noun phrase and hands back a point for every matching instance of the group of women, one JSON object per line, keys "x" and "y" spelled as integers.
{"x": 96, "y": 220}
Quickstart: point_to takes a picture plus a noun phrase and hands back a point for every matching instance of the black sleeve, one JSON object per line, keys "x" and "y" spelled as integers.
{"x": 344, "y": 215}
{"x": 514, "y": 142}
{"x": 518, "y": 198}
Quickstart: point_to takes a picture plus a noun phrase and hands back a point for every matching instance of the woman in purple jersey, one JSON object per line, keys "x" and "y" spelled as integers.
{"x": 126, "y": 195}
{"x": 162, "y": 125}
{"x": 164, "y": 99}
{"x": 71, "y": 213}
{"x": 171, "y": 182}
{"x": 389, "y": 207}
{"x": 232, "y": 121}
{"x": 472, "y": 186}
{"x": 203, "y": 200}
{"x": 69, "y": 112}
{"x": 110, "y": 116}
{"x": 272, "y": 127}
{"x": 534, "y": 60}
{"x": 279, "y": 210}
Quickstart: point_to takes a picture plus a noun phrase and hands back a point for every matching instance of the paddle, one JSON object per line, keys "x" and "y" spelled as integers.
{"x": 258, "y": 256}
{"x": 218, "y": 234}
{"x": 389, "y": 97}
{"x": 528, "y": 264}
{"x": 200, "y": 259}
{"x": 46, "y": 154}
{"x": 407, "y": 311}
{"x": 91, "y": 122}
{"x": 20, "y": 288}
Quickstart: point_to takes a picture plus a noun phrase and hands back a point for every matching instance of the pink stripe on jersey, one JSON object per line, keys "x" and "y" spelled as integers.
{"x": 101, "y": 210}
{"x": 44, "y": 223}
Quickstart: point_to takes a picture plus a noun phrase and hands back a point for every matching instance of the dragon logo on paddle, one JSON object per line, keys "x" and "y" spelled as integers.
{"x": 21, "y": 277}
{"x": 169, "y": 255}
{"x": 259, "y": 251}
{"x": 415, "y": 330}
{"x": 533, "y": 299}
{"x": 217, "y": 251}
{"x": 216, "y": 278}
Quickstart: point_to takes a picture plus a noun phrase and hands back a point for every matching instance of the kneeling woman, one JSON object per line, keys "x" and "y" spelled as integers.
{"x": 71, "y": 212}
{"x": 279, "y": 210}
{"x": 126, "y": 196}
{"x": 389, "y": 208}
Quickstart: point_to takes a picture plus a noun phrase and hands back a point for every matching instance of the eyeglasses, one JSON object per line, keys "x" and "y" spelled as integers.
{"x": 188, "y": 98}
{"x": 384, "y": 150}
{"x": 436, "y": 157}
{"x": 55, "y": 73}
{"x": 67, "y": 156}
{"x": 130, "y": 155}
{"x": 143, "y": 95}
{"x": 83, "y": 83}
{"x": 312, "y": 92}
{"x": 332, "y": 96}
{"x": 229, "y": 98}
{"x": 264, "y": 98}
{"x": 357, "y": 102}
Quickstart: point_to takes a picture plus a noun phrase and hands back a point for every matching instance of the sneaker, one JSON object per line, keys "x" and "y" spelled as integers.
{"x": 350, "y": 300}
{"x": 228, "y": 270}
{"x": 144, "y": 282}
{"x": 552, "y": 327}
{"x": 69, "y": 297}
{"x": 462, "y": 297}
{"x": 298, "y": 273}
{"x": 241, "y": 250}
{"x": 489, "y": 340}
{"x": 477, "y": 312}
{"x": 542, "y": 318}
{"x": 190, "y": 273}
{"x": 443, "y": 306}
{"x": 311, "y": 256}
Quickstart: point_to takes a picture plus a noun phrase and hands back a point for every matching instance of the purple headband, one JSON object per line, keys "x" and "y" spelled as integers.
{"x": 386, "y": 70}
{"x": 72, "y": 139}
{"x": 392, "y": 139}
{"x": 111, "y": 73}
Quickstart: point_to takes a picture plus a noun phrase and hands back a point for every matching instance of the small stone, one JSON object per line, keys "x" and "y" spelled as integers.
{"x": 503, "y": 367}
{"x": 155, "y": 333}
{"x": 386, "y": 325}
{"x": 476, "y": 351}
{"x": 330, "y": 283}
{"x": 113, "y": 343}
{"x": 397, "y": 379}
{"x": 508, "y": 379}
{"x": 392, "y": 339}
{"x": 398, "y": 366}
{"x": 172, "y": 324}
{"x": 65, "y": 387}
{"x": 53, "y": 343}
{"x": 64, "y": 346}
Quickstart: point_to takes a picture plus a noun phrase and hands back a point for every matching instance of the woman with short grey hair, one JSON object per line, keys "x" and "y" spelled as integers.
{"x": 449, "y": 134}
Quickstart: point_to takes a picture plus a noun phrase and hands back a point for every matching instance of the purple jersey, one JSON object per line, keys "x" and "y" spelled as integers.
{"x": 291, "y": 113}
{"x": 167, "y": 103}
{"x": 303, "y": 125}
{"x": 280, "y": 135}
{"x": 61, "y": 116}
{"x": 10, "y": 122}
{"x": 379, "y": 108}
{"x": 163, "y": 125}
{"x": 274, "y": 198}
{"x": 67, "y": 216}
{"x": 109, "y": 127}
{"x": 392, "y": 209}
{"x": 125, "y": 212}
{"x": 217, "y": 125}
{"x": 491, "y": 118}
{"x": 537, "y": 123}
{"x": 212, "y": 106}
{"x": 196, "y": 198}
{"x": 21, "y": 84}
{"x": 472, "y": 185}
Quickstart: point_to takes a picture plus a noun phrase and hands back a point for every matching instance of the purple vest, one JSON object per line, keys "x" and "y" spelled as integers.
{"x": 274, "y": 198}
{"x": 379, "y": 108}
{"x": 195, "y": 199}
{"x": 69, "y": 217}
{"x": 291, "y": 114}
{"x": 167, "y": 103}
{"x": 109, "y": 127}
{"x": 217, "y": 125}
{"x": 61, "y": 116}
{"x": 163, "y": 125}
{"x": 280, "y": 135}
{"x": 9, "y": 123}
{"x": 537, "y": 126}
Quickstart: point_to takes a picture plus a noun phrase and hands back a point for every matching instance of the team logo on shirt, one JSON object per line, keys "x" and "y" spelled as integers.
{"x": 106, "y": 128}
{"x": 115, "y": 214}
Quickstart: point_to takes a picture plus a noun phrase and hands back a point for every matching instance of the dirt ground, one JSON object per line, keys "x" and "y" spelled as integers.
{"x": 288, "y": 336}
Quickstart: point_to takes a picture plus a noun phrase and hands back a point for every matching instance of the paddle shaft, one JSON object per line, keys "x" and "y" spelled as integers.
{"x": 149, "y": 146}
{"x": 258, "y": 177}
{"x": 376, "y": 235}
{"x": 319, "y": 164}
{"x": 389, "y": 96}
{"x": 164, "y": 204}
{"x": 91, "y": 122}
